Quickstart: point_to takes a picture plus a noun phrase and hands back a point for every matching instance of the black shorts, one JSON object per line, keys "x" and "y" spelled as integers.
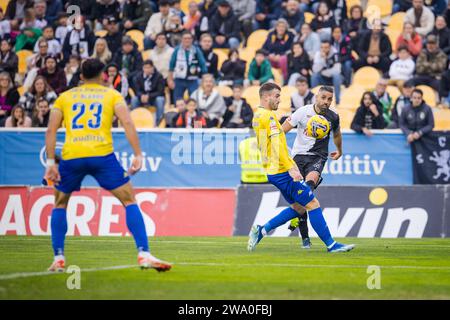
{"x": 308, "y": 163}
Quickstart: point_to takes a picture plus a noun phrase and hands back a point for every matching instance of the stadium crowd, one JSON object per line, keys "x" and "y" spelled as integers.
{"x": 178, "y": 53}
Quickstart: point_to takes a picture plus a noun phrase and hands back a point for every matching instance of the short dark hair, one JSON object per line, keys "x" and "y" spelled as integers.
{"x": 401, "y": 48}
{"x": 326, "y": 89}
{"x": 419, "y": 91}
{"x": 261, "y": 51}
{"x": 267, "y": 87}
{"x": 92, "y": 68}
{"x": 164, "y": 3}
{"x": 191, "y": 100}
{"x": 161, "y": 34}
{"x": 326, "y": 42}
{"x": 148, "y": 61}
{"x": 301, "y": 79}
{"x": 409, "y": 84}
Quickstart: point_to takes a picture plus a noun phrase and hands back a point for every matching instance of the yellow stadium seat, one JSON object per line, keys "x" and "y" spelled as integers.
{"x": 222, "y": 55}
{"x": 429, "y": 95}
{"x": 351, "y": 97}
{"x": 441, "y": 119}
{"x": 394, "y": 92}
{"x": 257, "y": 39}
{"x": 184, "y": 5}
{"x": 23, "y": 55}
{"x": 277, "y": 76}
{"x": 309, "y": 17}
{"x": 146, "y": 54}
{"x": 346, "y": 117}
{"x": 378, "y": 8}
{"x": 4, "y": 5}
{"x": 138, "y": 37}
{"x": 224, "y": 91}
{"x": 251, "y": 94}
{"x": 396, "y": 21}
{"x": 366, "y": 77}
{"x": 350, "y": 4}
{"x": 393, "y": 37}
{"x": 142, "y": 118}
{"x": 21, "y": 90}
{"x": 101, "y": 33}
{"x": 247, "y": 54}
{"x": 286, "y": 93}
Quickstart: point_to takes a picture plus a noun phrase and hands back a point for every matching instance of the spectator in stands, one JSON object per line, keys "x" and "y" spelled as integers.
{"x": 16, "y": 9}
{"x": 401, "y": 5}
{"x": 210, "y": 102}
{"x": 86, "y": 6}
{"x": 187, "y": 64}
{"x": 172, "y": 115}
{"x": 158, "y": 23}
{"x": 244, "y": 11}
{"x": 266, "y": 13}
{"x": 174, "y": 30}
{"x": 61, "y": 27}
{"x": 175, "y": 7}
{"x": 443, "y": 34}
{"x": 402, "y": 101}
{"x": 73, "y": 72}
{"x": 343, "y": 46}
{"x": 30, "y": 31}
{"x": 40, "y": 8}
{"x": 54, "y": 75}
{"x": 368, "y": 116}
{"x": 191, "y": 117}
{"x": 41, "y": 114}
{"x": 239, "y": 114}
{"x": 136, "y": 14}
{"x": 417, "y": 118}
{"x": 446, "y": 13}
{"x": 437, "y": 6}
{"x": 430, "y": 64}
{"x": 303, "y": 96}
{"x": 193, "y": 21}
{"x": 35, "y": 62}
{"x": 327, "y": 68}
{"x": 148, "y": 86}
{"x": 421, "y": 17}
{"x": 233, "y": 69}
{"x": 356, "y": 24}
{"x": 53, "y": 8}
{"x": 409, "y": 39}
{"x": 5, "y": 25}
{"x": 444, "y": 88}
{"x": 323, "y": 23}
{"x": 224, "y": 27}
{"x": 102, "y": 10}
{"x": 101, "y": 51}
{"x": 54, "y": 46}
{"x": 384, "y": 98}
{"x": 18, "y": 118}
{"x": 114, "y": 35}
{"x": 260, "y": 70}
{"x": 298, "y": 64}
{"x": 339, "y": 10}
{"x": 208, "y": 8}
{"x": 116, "y": 79}
{"x": 401, "y": 69}
{"x": 309, "y": 40}
{"x": 293, "y": 15}
{"x": 211, "y": 59}
{"x": 79, "y": 41}
{"x": 9, "y": 61}
{"x": 278, "y": 43}
{"x": 128, "y": 59}
{"x": 374, "y": 49}
{"x": 9, "y": 96}
{"x": 161, "y": 55}
{"x": 39, "y": 89}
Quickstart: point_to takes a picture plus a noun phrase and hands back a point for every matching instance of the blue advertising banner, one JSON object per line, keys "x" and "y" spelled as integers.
{"x": 208, "y": 158}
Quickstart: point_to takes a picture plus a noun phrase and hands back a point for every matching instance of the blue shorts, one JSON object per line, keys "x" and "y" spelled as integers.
{"x": 106, "y": 170}
{"x": 292, "y": 191}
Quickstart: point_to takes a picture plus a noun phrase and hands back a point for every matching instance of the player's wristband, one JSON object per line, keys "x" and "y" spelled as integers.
{"x": 50, "y": 162}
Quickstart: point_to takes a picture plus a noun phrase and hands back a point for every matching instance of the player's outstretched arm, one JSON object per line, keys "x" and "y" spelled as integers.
{"x": 286, "y": 126}
{"x": 337, "y": 138}
{"x": 54, "y": 123}
{"x": 122, "y": 113}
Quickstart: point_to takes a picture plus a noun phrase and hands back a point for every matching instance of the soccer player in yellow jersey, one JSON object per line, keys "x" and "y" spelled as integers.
{"x": 87, "y": 112}
{"x": 284, "y": 174}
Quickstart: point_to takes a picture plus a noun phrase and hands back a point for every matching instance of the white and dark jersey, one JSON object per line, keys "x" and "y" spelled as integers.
{"x": 304, "y": 144}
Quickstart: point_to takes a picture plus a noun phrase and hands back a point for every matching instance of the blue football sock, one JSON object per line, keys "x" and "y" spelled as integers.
{"x": 320, "y": 226}
{"x": 135, "y": 223}
{"x": 58, "y": 227}
{"x": 283, "y": 217}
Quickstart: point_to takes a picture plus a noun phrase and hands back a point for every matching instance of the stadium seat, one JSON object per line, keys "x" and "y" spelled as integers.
{"x": 4, "y": 4}
{"x": 222, "y": 55}
{"x": 429, "y": 95}
{"x": 142, "y": 118}
{"x": 247, "y": 54}
{"x": 393, "y": 36}
{"x": 441, "y": 119}
{"x": 251, "y": 94}
{"x": 257, "y": 39}
{"x": 286, "y": 93}
{"x": 346, "y": 117}
{"x": 21, "y": 90}
{"x": 224, "y": 91}
{"x": 146, "y": 54}
{"x": 351, "y": 97}
{"x": 101, "y": 33}
{"x": 394, "y": 92}
{"x": 277, "y": 76}
{"x": 396, "y": 21}
{"x": 366, "y": 77}
{"x": 138, "y": 37}
{"x": 378, "y": 8}
{"x": 309, "y": 17}
{"x": 23, "y": 55}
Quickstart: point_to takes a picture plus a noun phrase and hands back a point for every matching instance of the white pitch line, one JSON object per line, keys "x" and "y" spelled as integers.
{"x": 214, "y": 264}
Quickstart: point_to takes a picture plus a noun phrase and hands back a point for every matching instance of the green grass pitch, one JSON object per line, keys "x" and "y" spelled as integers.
{"x": 221, "y": 268}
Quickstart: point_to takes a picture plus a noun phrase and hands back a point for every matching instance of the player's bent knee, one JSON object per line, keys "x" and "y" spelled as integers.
{"x": 125, "y": 194}
{"x": 61, "y": 200}
{"x": 297, "y": 207}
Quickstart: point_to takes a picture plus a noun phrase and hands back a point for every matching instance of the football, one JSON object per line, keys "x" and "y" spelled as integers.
{"x": 317, "y": 127}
